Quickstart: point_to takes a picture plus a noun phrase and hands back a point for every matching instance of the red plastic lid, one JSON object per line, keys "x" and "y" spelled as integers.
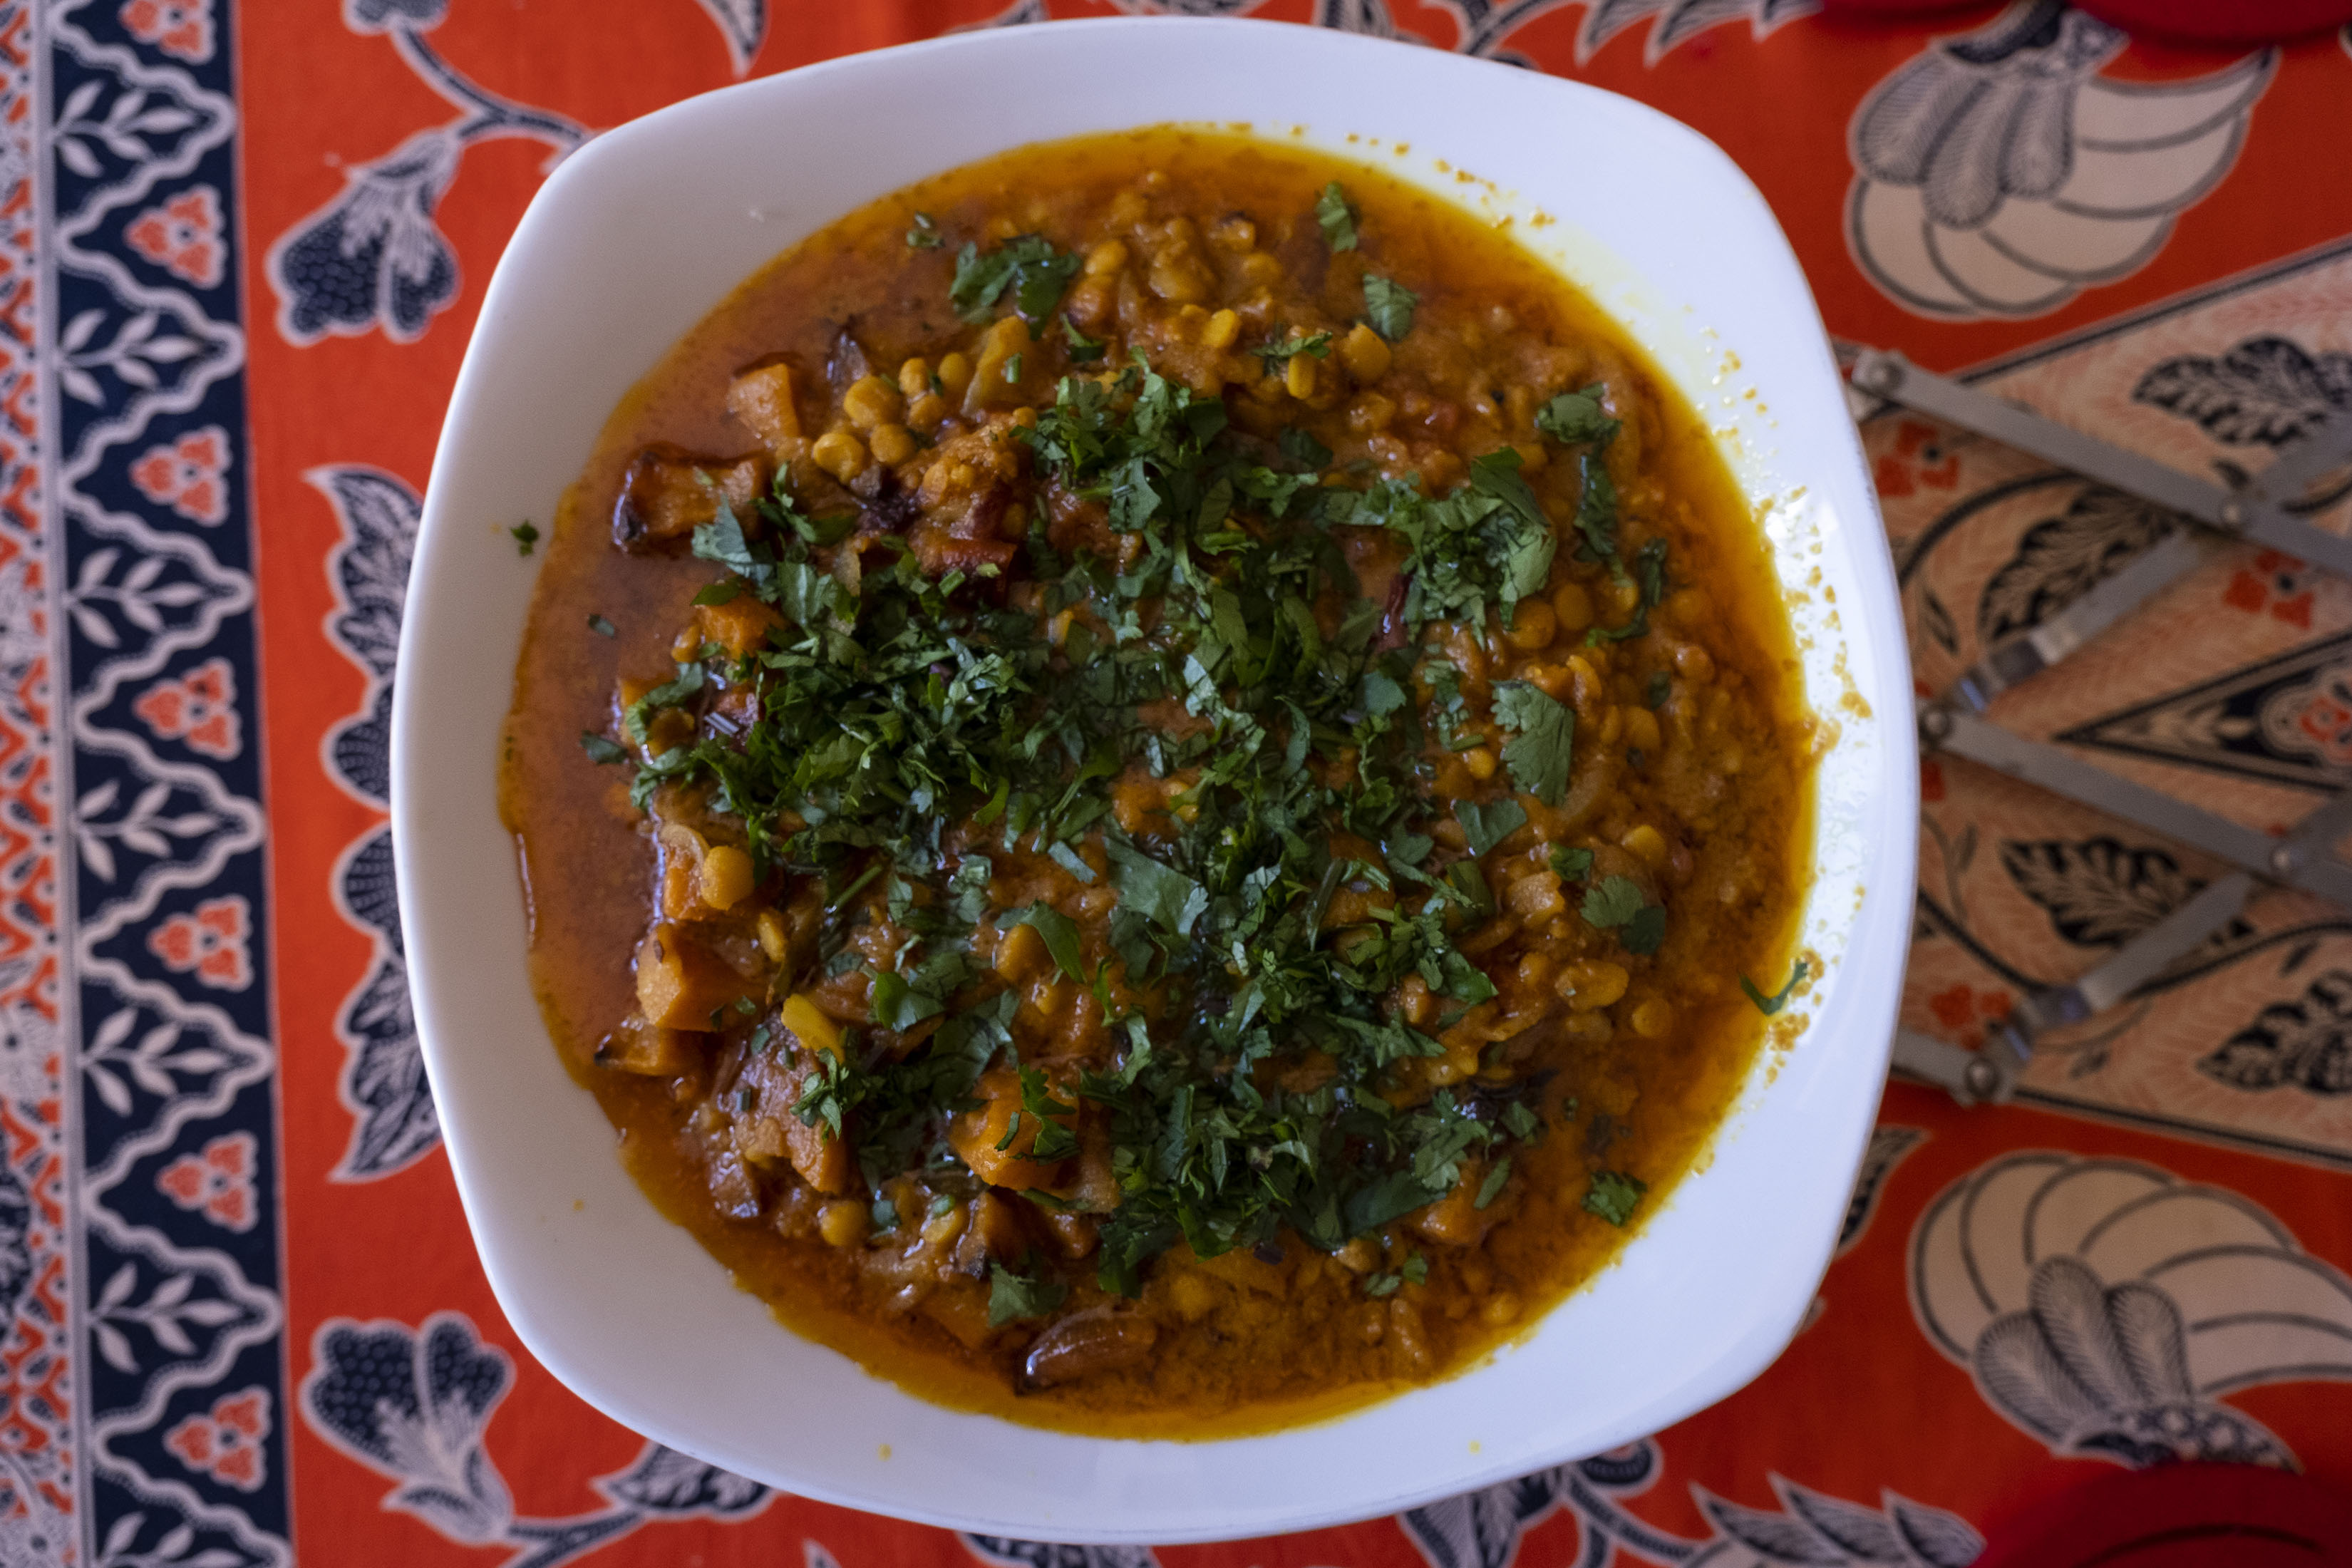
{"x": 2244, "y": 22}
{"x": 2182, "y": 1516}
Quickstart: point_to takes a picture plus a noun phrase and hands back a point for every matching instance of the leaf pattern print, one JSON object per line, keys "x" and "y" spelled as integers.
{"x": 2098, "y": 892}
{"x": 2304, "y": 1043}
{"x": 2266, "y": 391}
{"x": 2062, "y": 558}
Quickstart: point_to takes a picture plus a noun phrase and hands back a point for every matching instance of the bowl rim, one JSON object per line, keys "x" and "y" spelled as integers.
{"x": 417, "y": 793}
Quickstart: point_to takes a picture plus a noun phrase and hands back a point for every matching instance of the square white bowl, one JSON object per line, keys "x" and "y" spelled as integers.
{"x": 640, "y": 234}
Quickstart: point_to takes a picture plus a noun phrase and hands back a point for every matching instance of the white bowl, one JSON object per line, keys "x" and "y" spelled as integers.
{"x": 641, "y": 233}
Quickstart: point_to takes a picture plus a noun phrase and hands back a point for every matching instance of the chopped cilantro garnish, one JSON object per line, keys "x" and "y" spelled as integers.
{"x": 1613, "y": 1195}
{"x": 924, "y": 235}
{"x": 1488, "y": 825}
{"x": 1028, "y": 266}
{"x": 1338, "y": 217}
{"x": 1596, "y": 509}
{"x": 1061, "y": 934}
{"x": 1012, "y": 1296}
{"x": 1574, "y": 417}
{"x": 890, "y": 705}
{"x": 1297, "y": 447}
{"x": 720, "y": 593}
{"x": 601, "y": 749}
{"x": 1492, "y": 1187}
{"x": 1282, "y": 346}
{"x": 1414, "y": 1270}
{"x": 601, "y": 626}
{"x": 1771, "y": 1005}
{"x": 1168, "y": 899}
{"x": 1615, "y": 903}
{"x": 1650, "y": 572}
{"x": 1661, "y": 687}
{"x": 1054, "y": 1142}
{"x": 1574, "y": 864}
{"x": 526, "y": 534}
{"x": 1388, "y": 306}
{"x": 884, "y": 1214}
{"x": 1013, "y": 369}
{"x": 1538, "y": 753}
{"x": 1084, "y": 350}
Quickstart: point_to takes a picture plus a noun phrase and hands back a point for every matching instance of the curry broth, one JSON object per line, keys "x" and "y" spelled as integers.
{"x": 1264, "y": 1336}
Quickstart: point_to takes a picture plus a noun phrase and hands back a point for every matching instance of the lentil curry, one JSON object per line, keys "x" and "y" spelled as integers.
{"x": 1186, "y": 763}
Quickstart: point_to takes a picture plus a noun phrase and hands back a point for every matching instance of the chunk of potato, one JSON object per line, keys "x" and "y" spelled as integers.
{"x": 681, "y": 986}
{"x": 761, "y": 398}
{"x": 975, "y": 1134}
{"x": 647, "y": 1049}
{"x": 669, "y": 493}
{"x": 741, "y": 625}
{"x": 1456, "y": 1219}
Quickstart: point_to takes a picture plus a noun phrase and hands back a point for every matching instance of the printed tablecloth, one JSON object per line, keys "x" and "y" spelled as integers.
{"x": 241, "y": 248}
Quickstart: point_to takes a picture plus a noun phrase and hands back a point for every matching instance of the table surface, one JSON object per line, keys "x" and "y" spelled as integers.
{"x": 240, "y": 252}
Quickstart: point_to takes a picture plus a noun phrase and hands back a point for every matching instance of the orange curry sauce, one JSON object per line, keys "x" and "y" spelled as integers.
{"x": 1146, "y": 773}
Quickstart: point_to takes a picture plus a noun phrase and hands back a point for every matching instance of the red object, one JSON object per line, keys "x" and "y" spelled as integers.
{"x": 2182, "y": 1516}
{"x": 2244, "y": 22}
{"x": 1895, "y": 9}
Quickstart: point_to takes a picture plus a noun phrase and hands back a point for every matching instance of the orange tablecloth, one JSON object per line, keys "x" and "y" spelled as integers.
{"x": 241, "y": 249}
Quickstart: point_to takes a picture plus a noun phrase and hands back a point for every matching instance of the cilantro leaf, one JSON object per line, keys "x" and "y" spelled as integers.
{"x": 1299, "y": 447}
{"x": 669, "y": 694}
{"x": 924, "y": 235}
{"x": 1528, "y": 557}
{"x": 1611, "y": 901}
{"x": 1646, "y": 931}
{"x": 1388, "y": 306}
{"x": 1771, "y": 1005}
{"x": 1282, "y": 345}
{"x": 1650, "y": 571}
{"x": 1613, "y": 1195}
{"x": 1054, "y": 1142}
{"x": 602, "y": 749}
{"x": 1574, "y": 864}
{"x": 601, "y": 626}
{"x": 1381, "y": 694}
{"x": 1084, "y": 350}
{"x": 1492, "y": 1187}
{"x": 1574, "y": 417}
{"x": 1488, "y": 825}
{"x": 1596, "y": 509}
{"x": 1038, "y": 285}
{"x": 1061, "y": 934}
{"x": 1390, "y": 1198}
{"x": 1168, "y": 897}
{"x": 1012, "y": 1296}
{"x": 526, "y": 534}
{"x": 1337, "y": 217}
{"x": 723, "y": 592}
{"x": 1538, "y": 753}
{"x": 896, "y": 1004}
{"x": 1028, "y": 266}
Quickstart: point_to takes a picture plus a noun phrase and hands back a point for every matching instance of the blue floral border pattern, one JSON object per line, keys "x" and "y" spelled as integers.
{"x": 173, "y": 1125}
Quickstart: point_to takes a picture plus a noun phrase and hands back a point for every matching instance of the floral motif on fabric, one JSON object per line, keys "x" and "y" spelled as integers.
{"x": 218, "y": 1181}
{"x": 198, "y": 709}
{"x": 182, "y": 235}
{"x": 189, "y": 474}
{"x": 209, "y": 943}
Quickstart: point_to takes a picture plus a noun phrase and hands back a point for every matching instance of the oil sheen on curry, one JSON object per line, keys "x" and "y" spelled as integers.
{"x": 1148, "y": 776}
